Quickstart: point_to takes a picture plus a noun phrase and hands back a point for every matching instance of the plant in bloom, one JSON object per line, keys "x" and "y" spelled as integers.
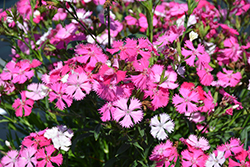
{"x": 215, "y": 160}
{"x": 126, "y": 115}
{"x": 158, "y": 127}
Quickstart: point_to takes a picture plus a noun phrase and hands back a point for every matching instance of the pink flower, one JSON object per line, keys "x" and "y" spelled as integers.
{"x": 131, "y": 20}
{"x": 233, "y": 146}
{"x": 158, "y": 127}
{"x": 47, "y": 157}
{"x": 229, "y": 79}
{"x": 11, "y": 159}
{"x": 90, "y": 54}
{"x": 124, "y": 114}
{"x": 127, "y": 51}
{"x": 164, "y": 154}
{"x": 60, "y": 15}
{"x": 185, "y": 104}
{"x": 106, "y": 111}
{"x": 77, "y": 84}
{"x": 203, "y": 57}
{"x": 27, "y": 157}
{"x": 202, "y": 143}
{"x": 64, "y": 33}
{"x": 241, "y": 160}
{"x": 60, "y": 94}
{"x": 36, "y": 140}
{"x": 206, "y": 78}
{"x": 24, "y": 104}
{"x": 197, "y": 158}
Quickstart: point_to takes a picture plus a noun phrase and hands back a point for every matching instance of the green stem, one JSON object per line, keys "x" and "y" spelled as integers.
{"x": 109, "y": 38}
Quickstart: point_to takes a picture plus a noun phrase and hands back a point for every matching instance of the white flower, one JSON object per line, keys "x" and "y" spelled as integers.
{"x": 216, "y": 161}
{"x": 158, "y": 127}
{"x": 61, "y": 137}
{"x": 44, "y": 37}
{"x": 2, "y": 111}
{"x": 192, "y": 36}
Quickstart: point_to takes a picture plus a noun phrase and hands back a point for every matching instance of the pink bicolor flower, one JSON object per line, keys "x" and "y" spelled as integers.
{"x": 36, "y": 140}
{"x": 185, "y": 104}
{"x": 159, "y": 128}
{"x": 229, "y": 79}
{"x": 197, "y": 158}
{"x": 202, "y": 143}
{"x": 27, "y": 157}
{"x": 64, "y": 33}
{"x": 11, "y": 159}
{"x": 83, "y": 16}
{"x": 60, "y": 94}
{"x": 124, "y": 114}
{"x": 36, "y": 91}
{"x": 47, "y": 157}
{"x": 23, "y": 104}
{"x": 77, "y": 83}
{"x": 195, "y": 117}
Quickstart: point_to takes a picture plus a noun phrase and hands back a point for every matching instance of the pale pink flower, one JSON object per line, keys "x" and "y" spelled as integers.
{"x": 126, "y": 115}
{"x": 11, "y": 159}
{"x": 36, "y": 91}
{"x": 47, "y": 157}
{"x": 77, "y": 83}
{"x": 202, "y": 143}
{"x": 185, "y": 104}
{"x": 27, "y": 157}
{"x": 159, "y": 128}
{"x": 64, "y": 33}
{"x": 23, "y": 104}
{"x": 60, "y": 15}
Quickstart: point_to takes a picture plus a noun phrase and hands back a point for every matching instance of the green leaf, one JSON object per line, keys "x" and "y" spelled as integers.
{"x": 97, "y": 131}
{"x": 244, "y": 136}
{"x": 134, "y": 164}
{"x": 138, "y": 146}
{"x": 110, "y": 162}
{"x": 122, "y": 149}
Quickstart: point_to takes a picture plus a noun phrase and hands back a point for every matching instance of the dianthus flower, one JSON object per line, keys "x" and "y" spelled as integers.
{"x": 60, "y": 136}
{"x": 185, "y": 104}
{"x": 36, "y": 91}
{"x": 27, "y": 157}
{"x": 77, "y": 83}
{"x": 23, "y": 104}
{"x": 216, "y": 160}
{"x": 60, "y": 94}
{"x": 202, "y": 143}
{"x": 128, "y": 113}
{"x": 158, "y": 127}
{"x": 106, "y": 111}
{"x": 47, "y": 157}
{"x": 197, "y": 158}
{"x": 241, "y": 160}
{"x": 11, "y": 159}
{"x": 233, "y": 146}
{"x": 229, "y": 79}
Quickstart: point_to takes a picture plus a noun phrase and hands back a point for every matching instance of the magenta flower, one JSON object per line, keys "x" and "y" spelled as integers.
{"x": 233, "y": 146}
{"x": 229, "y": 79}
{"x": 47, "y": 157}
{"x": 60, "y": 94}
{"x": 185, "y": 104}
{"x": 197, "y": 158}
{"x": 77, "y": 84}
{"x": 24, "y": 104}
{"x": 202, "y": 143}
{"x": 206, "y": 78}
{"x": 203, "y": 57}
{"x": 241, "y": 160}
{"x": 60, "y": 15}
{"x": 27, "y": 157}
{"x": 90, "y": 54}
{"x": 159, "y": 128}
{"x": 124, "y": 114}
{"x": 11, "y": 159}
